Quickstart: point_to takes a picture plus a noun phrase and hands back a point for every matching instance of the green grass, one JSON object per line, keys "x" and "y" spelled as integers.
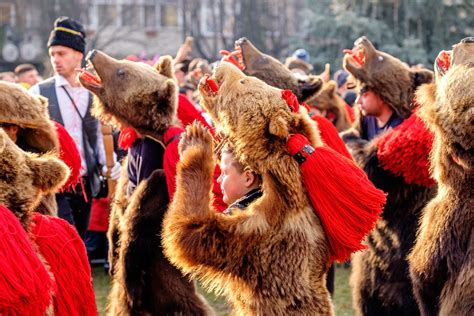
{"x": 341, "y": 300}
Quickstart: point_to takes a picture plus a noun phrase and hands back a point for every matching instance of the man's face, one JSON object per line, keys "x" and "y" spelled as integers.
{"x": 370, "y": 103}
{"x": 30, "y": 77}
{"x": 64, "y": 60}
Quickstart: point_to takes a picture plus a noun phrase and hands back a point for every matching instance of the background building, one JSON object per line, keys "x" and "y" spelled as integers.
{"x": 414, "y": 31}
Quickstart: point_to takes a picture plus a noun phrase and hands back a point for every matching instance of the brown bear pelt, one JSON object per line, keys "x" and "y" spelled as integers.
{"x": 272, "y": 258}
{"x": 442, "y": 260}
{"x": 390, "y": 78}
{"x": 143, "y": 281}
{"x": 30, "y": 113}
{"x": 25, "y": 177}
{"x": 36, "y": 132}
{"x": 273, "y": 72}
{"x": 331, "y": 105}
{"x": 380, "y": 278}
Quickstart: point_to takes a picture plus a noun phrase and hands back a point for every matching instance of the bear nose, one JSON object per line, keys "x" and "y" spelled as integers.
{"x": 241, "y": 41}
{"x": 91, "y": 55}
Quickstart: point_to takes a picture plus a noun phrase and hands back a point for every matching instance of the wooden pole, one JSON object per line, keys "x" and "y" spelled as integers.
{"x": 109, "y": 157}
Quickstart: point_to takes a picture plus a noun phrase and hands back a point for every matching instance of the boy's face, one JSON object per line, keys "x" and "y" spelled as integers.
{"x": 234, "y": 184}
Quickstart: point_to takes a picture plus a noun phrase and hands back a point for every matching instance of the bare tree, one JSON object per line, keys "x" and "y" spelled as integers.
{"x": 265, "y": 23}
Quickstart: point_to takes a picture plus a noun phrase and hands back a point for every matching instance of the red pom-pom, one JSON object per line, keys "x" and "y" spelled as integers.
{"x": 70, "y": 155}
{"x": 127, "y": 137}
{"x": 291, "y": 100}
{"x": 344, "y": 199}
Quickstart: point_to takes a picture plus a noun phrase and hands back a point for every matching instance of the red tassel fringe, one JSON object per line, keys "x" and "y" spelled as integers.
{"x": 330, "y": 136}
{"x": 25, "y": 285}
{"x": 404, "y": 151}
{"x": 70, "y": 155}
{"x": 66, "y": 255}
{"x": 346, "y": 202}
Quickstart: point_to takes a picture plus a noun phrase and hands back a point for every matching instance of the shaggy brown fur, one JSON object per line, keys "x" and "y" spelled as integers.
{"x": 442, "y": 260}
{"x": 274, "y": 73}
{"x": 328, "y": 102}
{"x": 24, "y": 177}
{"x": 272, "y": 258}
{"x": 36, "y": 131}
{"x": 30, "y": 113}
{"x": 380, "y": 278}
{"x": 150, "y": 107}
{"x": 143, "y": 281}
{"x": 390, "y": 78}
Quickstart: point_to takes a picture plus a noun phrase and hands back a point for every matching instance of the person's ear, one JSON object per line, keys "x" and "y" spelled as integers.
{"x": 250, "y": 178}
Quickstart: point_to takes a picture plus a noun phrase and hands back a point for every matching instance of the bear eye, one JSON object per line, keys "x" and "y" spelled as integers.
{"x": 120, "y": 72}
{"x": 242, "y": 81}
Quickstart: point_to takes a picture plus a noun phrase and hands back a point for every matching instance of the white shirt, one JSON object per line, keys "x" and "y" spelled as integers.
{"x": 72, "y": 121}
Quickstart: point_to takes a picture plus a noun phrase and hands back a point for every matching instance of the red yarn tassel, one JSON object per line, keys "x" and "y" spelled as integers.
{"x": 26, "y": 287}
{"x": 346, "y": 202}
{"x": 64, "y": 251}
{"x": 70, "y": 155}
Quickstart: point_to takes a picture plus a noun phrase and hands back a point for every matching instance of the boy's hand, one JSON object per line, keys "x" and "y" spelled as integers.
{"x": 196, "y": 135}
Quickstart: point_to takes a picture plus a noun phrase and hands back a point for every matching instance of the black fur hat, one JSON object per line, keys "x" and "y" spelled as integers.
{"x": 68, "y": 32}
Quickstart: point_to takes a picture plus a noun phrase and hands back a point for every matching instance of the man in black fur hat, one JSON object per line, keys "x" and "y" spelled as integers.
{"x": 69, "y": 104}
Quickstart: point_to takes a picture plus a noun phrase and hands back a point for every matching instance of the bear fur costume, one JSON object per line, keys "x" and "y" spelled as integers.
{"x": 145, "y": 98}
{"x": 271, "y": 71}
{"x": 397, "y": 163}
{"x": 442, "y": 260}
{"x": 333, "y": 107}
{"x": 24, "y": 177}
{"x": 37, "y": 133}
{"x": 272, "y": 258}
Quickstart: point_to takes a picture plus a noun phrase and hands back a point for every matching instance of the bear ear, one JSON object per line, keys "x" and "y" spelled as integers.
{"x": 309, "y": 88}
{"x": 331, "y": 87}
{"x": 168, "y": 90}
{"x": 165, "y": 66}
{"x": 49, "y": 173}
{"x": 278, "y": 125}
{"x": 421, "y": 76}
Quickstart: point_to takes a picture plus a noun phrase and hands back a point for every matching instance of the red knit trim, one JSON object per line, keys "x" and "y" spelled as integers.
{"x": 404, "y": 151}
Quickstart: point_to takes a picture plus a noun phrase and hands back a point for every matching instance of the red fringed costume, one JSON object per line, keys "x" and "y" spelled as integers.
{"x": 26, "y": 287}
{"x": 65, "y": 254}
{"x": 404, "y": 151}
